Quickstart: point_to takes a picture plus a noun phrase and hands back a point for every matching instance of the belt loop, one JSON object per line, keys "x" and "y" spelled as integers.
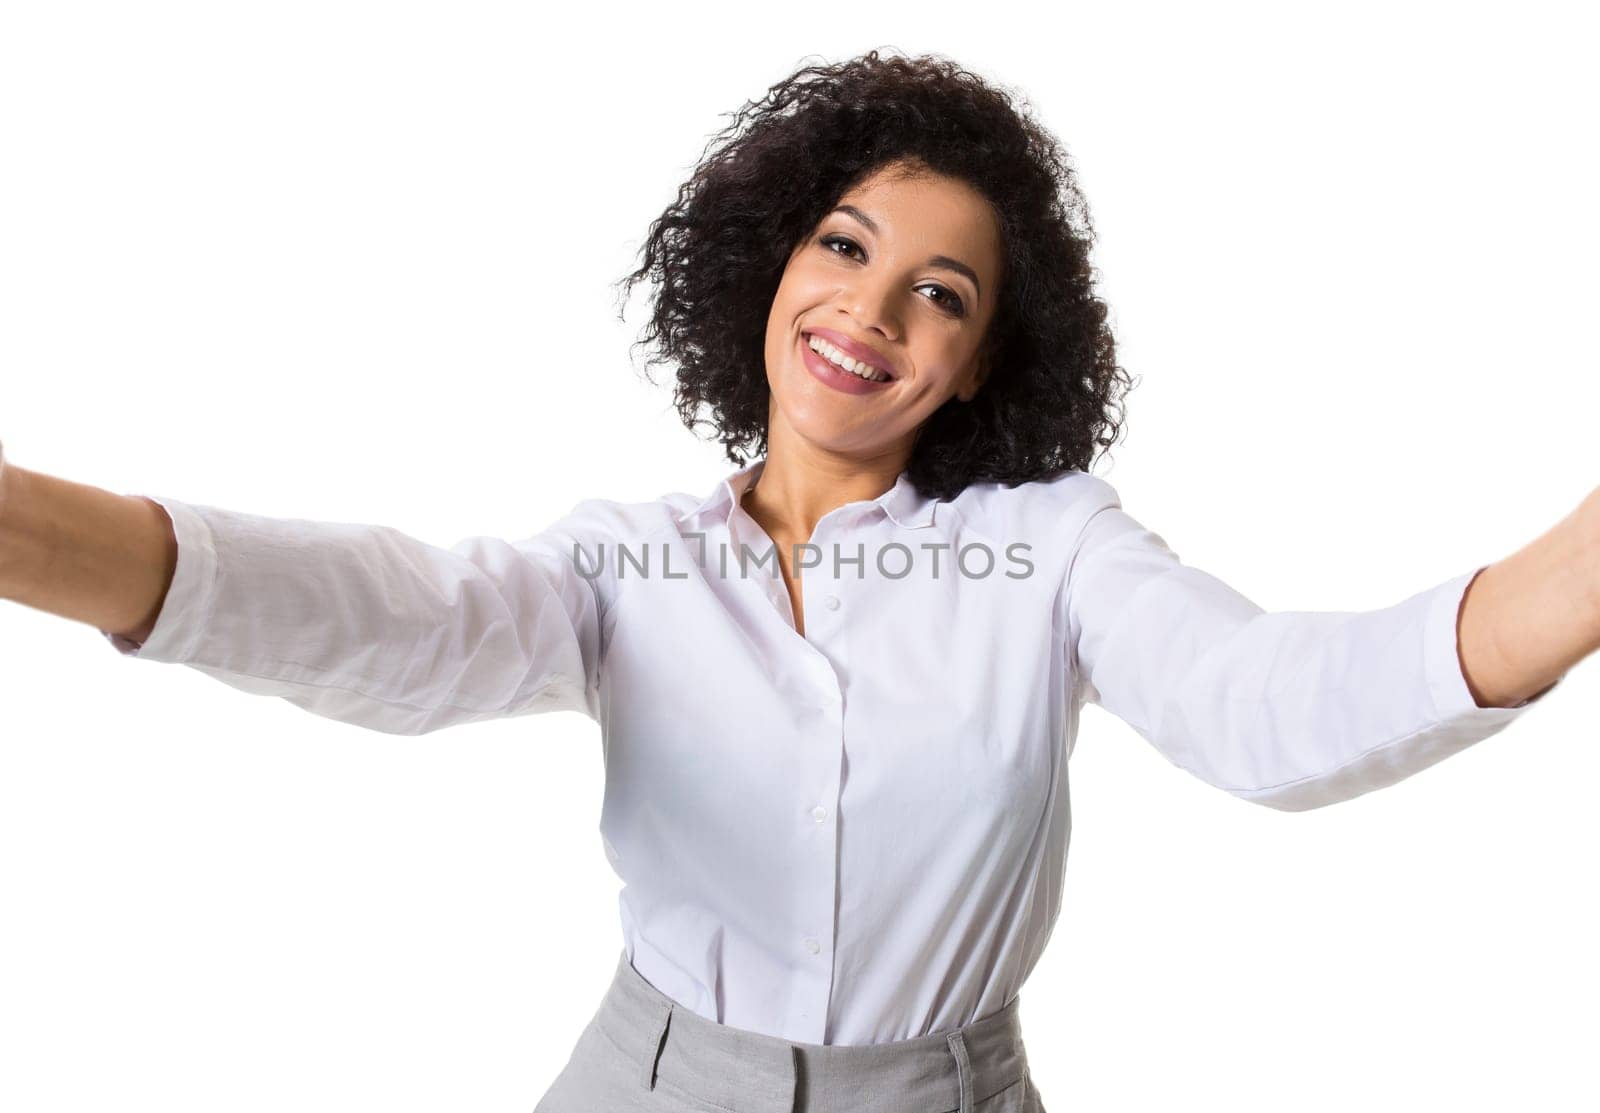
{"x": 958, "y": 1048}
{"x": 653, "y": 1048}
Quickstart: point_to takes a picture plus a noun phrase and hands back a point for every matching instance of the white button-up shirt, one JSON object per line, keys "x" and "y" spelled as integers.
{"x": 857, "y": 835}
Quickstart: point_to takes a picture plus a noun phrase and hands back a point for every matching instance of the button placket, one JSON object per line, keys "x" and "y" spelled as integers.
{"x": 824, "y": 602}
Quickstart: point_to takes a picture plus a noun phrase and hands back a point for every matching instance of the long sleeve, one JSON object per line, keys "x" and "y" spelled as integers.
{"x": 1290, "y": 709}
{"x": 367, "y": 625}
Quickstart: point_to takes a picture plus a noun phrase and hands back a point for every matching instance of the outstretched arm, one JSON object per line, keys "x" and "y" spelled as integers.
{"x": 1301, "y": 709}
{"x": 1529, "y": 618}
{"x": 352, "y": 621}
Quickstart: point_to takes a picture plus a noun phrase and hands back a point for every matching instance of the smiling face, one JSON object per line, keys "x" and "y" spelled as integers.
{"x": 905, "y": 273}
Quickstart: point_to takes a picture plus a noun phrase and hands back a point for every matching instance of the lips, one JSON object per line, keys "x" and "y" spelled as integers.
{"x": 831, "y": 375}
{"x": 855, "y": 349}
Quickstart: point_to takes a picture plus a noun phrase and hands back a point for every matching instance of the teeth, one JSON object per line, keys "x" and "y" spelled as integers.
{"x": 834, "y": 356}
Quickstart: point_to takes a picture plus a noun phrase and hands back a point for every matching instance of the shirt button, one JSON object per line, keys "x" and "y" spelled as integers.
{"x": 819, "y": 813}
{"x": 831, "y": 602}
{"x": 813, "y": 946}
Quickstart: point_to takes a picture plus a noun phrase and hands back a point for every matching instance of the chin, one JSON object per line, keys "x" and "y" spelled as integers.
{"x": 838, "y": 437}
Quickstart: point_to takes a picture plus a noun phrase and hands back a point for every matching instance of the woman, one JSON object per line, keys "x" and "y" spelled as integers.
{"x": 837, "y": 693}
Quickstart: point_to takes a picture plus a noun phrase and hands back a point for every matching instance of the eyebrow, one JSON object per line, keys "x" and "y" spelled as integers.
{"x": 943, "y": 261}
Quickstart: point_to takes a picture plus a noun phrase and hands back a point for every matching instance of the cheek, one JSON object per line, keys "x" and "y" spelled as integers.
{"x": 788, "y": 305}
{"x": 799, "y": 290}
{"x": 941, "y": 373}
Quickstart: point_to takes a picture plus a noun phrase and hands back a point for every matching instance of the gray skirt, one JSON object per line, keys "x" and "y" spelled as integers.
{"x": 644, "y": 1052}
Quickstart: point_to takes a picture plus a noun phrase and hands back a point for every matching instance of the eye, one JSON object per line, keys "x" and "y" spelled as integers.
{"x": 952, "y": 302}
{"x": 829, "y": 241}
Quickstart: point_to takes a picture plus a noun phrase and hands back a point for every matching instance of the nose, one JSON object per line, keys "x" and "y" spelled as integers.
{"x": 872, "y": 304}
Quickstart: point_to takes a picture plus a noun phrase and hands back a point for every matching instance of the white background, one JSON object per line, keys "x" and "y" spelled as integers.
{"x": 351, "y": 262}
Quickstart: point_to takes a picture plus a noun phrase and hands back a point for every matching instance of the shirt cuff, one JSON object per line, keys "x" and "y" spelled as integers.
{"x": 190, "y": 597}
{"x": 1452, "y": 699}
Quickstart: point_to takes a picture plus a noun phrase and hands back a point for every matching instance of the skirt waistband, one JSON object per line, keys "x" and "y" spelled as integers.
{"x": 943, "y": 1072}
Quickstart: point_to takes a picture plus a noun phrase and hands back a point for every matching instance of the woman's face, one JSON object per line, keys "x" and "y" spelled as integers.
{"x": 908, "y": 270}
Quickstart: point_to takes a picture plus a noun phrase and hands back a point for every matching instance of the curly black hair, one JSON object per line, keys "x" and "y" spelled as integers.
{"x": 717, "y": 255}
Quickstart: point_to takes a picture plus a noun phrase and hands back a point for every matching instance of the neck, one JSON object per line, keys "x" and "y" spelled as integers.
{"x": 790, "y": 496}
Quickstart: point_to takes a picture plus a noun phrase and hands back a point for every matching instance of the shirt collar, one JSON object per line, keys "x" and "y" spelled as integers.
{"x": 904, "y": 506}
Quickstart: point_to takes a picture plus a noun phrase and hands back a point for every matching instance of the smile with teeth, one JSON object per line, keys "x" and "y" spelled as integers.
{"x": 834, "y": 356}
